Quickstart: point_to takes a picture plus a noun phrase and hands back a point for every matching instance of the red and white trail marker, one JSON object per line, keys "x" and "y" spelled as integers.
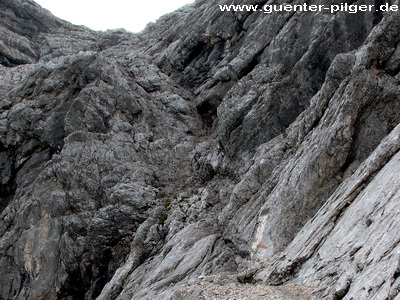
{"x": 262, "y": 246}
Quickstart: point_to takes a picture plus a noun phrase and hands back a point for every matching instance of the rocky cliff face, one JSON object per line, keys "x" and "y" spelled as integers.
{"x": 154, "y": 165}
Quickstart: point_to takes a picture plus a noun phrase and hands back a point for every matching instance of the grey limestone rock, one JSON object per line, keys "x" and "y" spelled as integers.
{"x": 211, "y": 150}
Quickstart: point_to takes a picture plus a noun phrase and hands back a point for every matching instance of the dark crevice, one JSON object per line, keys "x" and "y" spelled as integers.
{"x": 208, "y": 109}
{"x": 342, "y": 292}
{"x": 75, "y": 92}
{"x": 7, "y": 192}
{"x": 394, "y": 72}
{"x": 102, "y": 280}
{"x": 9, "y": 187}
{"x": 73, "y": 288}
{"x": 349, "y": 160}
{"x": 378, "y": 15}
{"x": 250, "y": 67}
{"x": 396, "y": 274}
{"x": 10, "y": 62}
{"x": 195, "y": 51}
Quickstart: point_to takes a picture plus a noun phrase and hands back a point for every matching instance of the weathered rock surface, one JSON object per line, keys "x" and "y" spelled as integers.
{"x": 153, "y": 165}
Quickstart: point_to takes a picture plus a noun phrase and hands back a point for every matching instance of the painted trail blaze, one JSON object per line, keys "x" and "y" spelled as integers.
{"x": 262, "y": 246}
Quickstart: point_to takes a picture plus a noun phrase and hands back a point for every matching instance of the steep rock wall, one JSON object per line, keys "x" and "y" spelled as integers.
{"x": 138, "y": 166}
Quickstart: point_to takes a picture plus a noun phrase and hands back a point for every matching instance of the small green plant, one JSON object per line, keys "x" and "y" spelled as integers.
{"x": 162, "y": 219}
{"x": 167, "y": 205}
{"x": 167, "y": 202}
